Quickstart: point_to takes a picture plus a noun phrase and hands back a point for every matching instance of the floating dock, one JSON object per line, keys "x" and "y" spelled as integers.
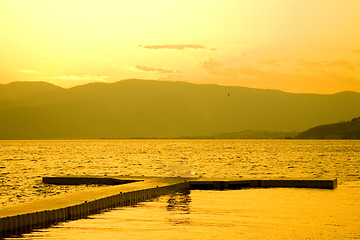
{"x": 122, "y": 191}
{"x": 209, "y": 184}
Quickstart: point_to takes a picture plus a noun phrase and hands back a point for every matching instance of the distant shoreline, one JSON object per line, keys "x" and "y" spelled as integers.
{"x": 93, "y": 139}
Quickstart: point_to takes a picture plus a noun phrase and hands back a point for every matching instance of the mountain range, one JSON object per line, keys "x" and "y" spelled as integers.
{"x": 161, "y": 109}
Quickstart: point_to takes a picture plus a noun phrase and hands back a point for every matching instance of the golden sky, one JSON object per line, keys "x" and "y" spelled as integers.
{"x": 290, "y": 45}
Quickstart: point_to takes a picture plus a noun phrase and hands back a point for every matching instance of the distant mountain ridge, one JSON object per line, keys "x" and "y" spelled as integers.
{"x": 164, "y": 109}
{"x": 17, "y": 90}
{"x": 341, "y": 130}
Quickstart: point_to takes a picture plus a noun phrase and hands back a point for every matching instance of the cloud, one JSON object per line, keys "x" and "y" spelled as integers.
{"x": 176, "y": 46}
{"x": 211, "y": 64}
{"x": 26, "y": 71}
{"x": 81, "y": 78}
{"x": 217, "y": 68}
{"x": 324, "y": 64}
{"x": 158, "y": 70}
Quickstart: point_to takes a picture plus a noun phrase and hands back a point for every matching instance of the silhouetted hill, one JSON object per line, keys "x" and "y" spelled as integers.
{"x": 17, "y": 90}
{"x": 341, "y": 130}
{"x": 160, "y": 109}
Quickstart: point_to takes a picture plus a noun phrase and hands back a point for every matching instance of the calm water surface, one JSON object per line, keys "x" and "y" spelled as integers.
{"x": 243, "y": 214}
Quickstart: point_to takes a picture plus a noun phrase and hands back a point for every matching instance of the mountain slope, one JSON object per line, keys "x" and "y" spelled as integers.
{"x": 16, "y": 90}
{"x": 142, "y": 108}
{"x": 341, "y": 130}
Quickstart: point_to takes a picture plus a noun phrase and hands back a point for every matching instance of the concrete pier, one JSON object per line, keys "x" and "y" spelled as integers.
{"x": 51, "y": 210}
{"x": 122, "y": 191}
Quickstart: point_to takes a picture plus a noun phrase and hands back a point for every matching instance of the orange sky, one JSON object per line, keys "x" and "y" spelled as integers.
{"x": 290, "y": 45}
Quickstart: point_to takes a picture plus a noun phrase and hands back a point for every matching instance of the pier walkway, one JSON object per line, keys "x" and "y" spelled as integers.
{"x": 121, "y": 191}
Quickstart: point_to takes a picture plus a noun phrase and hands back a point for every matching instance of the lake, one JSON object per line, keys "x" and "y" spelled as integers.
{"x": 244, "y": 214}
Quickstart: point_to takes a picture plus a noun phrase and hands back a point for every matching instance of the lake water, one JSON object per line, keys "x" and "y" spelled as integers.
{"x": 243, "y": 214}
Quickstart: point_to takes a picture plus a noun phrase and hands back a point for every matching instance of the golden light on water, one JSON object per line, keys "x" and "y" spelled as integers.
{"x": 296, "y": 46}
{"x": 289, "y": 45}
{"x": 269, "y": 213}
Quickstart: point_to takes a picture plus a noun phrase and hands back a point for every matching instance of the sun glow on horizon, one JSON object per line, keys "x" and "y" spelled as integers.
{"x": 292, "y": 46}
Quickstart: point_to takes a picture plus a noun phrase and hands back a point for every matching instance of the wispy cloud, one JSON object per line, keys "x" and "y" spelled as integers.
{"x": 26, "y": 71}
{"x": 176, "y": 46}
{"x": 323, "y": 64}
{"x": 211, "y": 64}
{"x": 219, "y": 69}
{"x": 158, "y": 70}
